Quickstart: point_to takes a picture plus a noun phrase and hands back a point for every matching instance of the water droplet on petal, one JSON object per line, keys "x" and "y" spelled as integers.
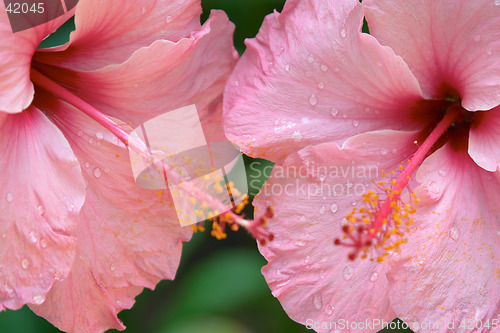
{"x": 321, "y": 85}
{"x": 300, "y": 243}
{"x": 79, "y": 133}
{"x": 317, "y": 302}
{"x": 168, "y": 19}
{"x": 334, "y": 208}
{"x": 324, "y": 67}
{"x": 99, "y": 135}
{"x": 313, "y": 100}
{"x": 354, "y": 203}
{"x": 91, "y": 141}
{"x": 310, "y": 59}
{"x": 497, "y": 2}
{"x": 343, "y": 32}
{"x": 97, "y": 172}
{"x": 87, "y": 164}
{"x": 32, "y": 237}
{"x": 394, "y": 150}
{"x": 287, "y": 67}
{"x": 334, "y": 112}
{"x": 442, "y": 173}
{"x": 43, "y": 243}
{"x": 322, "y": 210}
{"x": 41, "y": 210}
{"x": 454, "y": 234}
{"x": 25, "y": 263}
{"x": 143, "y": 10}
{"x": 348, "y": 272}
{"x": 337, "y": 69}
{"x": 10, "y": 197}
{"x": 383, "y": 151}
{"x": 490, "y": 51}
{"x": 329, "y": 309}
{"x": 355, "y": 123}
{"x": 112, "y": 267}
{"x": 374, "y": 277}
{"x": 309, "y": 74}
{"x": 38, "y": 299}
{"x": 307, "y": 260}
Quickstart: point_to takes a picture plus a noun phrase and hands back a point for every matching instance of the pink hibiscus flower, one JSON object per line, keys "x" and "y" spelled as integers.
{"x": 336, "y": 109}
{"x": 79, "y": 239}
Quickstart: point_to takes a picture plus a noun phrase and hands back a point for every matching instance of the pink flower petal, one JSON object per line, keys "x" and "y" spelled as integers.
{"x": 310, "y": 195}
{"x": 41, "y": 193}
{"x": 128, "y": 237}
{"x": 16, "y": 90}
{"x": 109, "y": 32}
{"x": 484, "y": 147}
{"x": 444, "y": 42}
{"x": 311, "y": 76}
{"x": 160, "y": 78}
{"x": 449, "y": 270}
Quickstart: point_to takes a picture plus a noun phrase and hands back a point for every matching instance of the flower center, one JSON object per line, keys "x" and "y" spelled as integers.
{"x": 382, "y": 223}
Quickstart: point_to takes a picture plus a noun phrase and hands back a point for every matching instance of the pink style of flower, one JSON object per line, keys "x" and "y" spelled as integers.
{"x": 336, "y": 109}
{"x": 79, "y": 239}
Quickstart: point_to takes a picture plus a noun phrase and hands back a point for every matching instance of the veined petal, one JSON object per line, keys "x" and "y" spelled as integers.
{"x": 109, "y": 32}
{"x": 311, "y": 76}
{"x": 16, "y": 89}
{"x": 310, "y": 196}
{"x": 128, "y": 238}
{"x": 484, "y": 140}
{"x": 159, "y": 78}
{"x": 41, "y": 193}
{"x": 453, "y": 42}
{"x": 449, "y": 269}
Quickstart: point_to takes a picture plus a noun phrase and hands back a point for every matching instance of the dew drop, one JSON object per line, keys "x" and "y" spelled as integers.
{"x": 300, "y": 243}
{"x": 374, "y": 277}
{"x": 317, "y": 302}
{"x": 10, "y": 197}
{"x": 383, "y": 151}
{"x": 348, "y": 272}
{"x": 324, "y": 67}
{"x": 442, "y": 173}
{"x": 25, "y": 263}
{"x": 321, "y": 85}
{"x": 490, "y": 51}
{"x": 97, "y": 172}
{"x": 343, "y": 32}
{"x": 355, "y": 123}
{"x": 322, "y": 178}
{"x": 329, "y": 309}
{"x": 143, "y": 10}
{"x": 307, "y": 260}
{"x": 313, "y": 100}
{"x": 322, "y": 210}
{"x": 91, "y": 141}
{"x": 41, "y": 210}
{"x": 112, "y": 267}
{"x": 79, "y": 133}
{"x": 310, "y": 59}
{"x": 87, "y": 164}
{"x": 32, "y": 237}
{"x": 99, "y": 135}
{"x": 394, "y": 150}
{"x": 38, "y": 299}
{"x": 454, "y": 234}
{"x": 337, "y": 69}
{"x": 354, "y": 203}
{"x": 334, "y": 112}
{"x": 287, "y": 67}
{"x": 309, "y": 74}
{"x": 168, "y": 19}
{"x": 497, "y": 2}
{"x": 334, "y": 208}
{"x": 43, "y": 243}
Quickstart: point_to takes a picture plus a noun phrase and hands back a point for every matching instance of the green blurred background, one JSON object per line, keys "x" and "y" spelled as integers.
{"x": 219, "y": 287}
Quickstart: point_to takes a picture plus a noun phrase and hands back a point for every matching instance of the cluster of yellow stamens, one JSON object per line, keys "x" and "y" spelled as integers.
{"x": 381, "y": 223}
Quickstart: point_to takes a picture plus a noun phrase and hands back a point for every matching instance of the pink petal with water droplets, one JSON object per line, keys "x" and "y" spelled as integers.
{"x": 449, "y": 269}
{"x": 311, "y": 76}
{"x": 16, "y": 89}
{"x": 109, "y": 32}
{"x": 310, "y": 195}
{"x": 128, "y": 238}
{"x": 160, "y": 78}
{"x": 41, "y": 193}
{"x": 452, "y": 42}
{"x": 484, "y": 140}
